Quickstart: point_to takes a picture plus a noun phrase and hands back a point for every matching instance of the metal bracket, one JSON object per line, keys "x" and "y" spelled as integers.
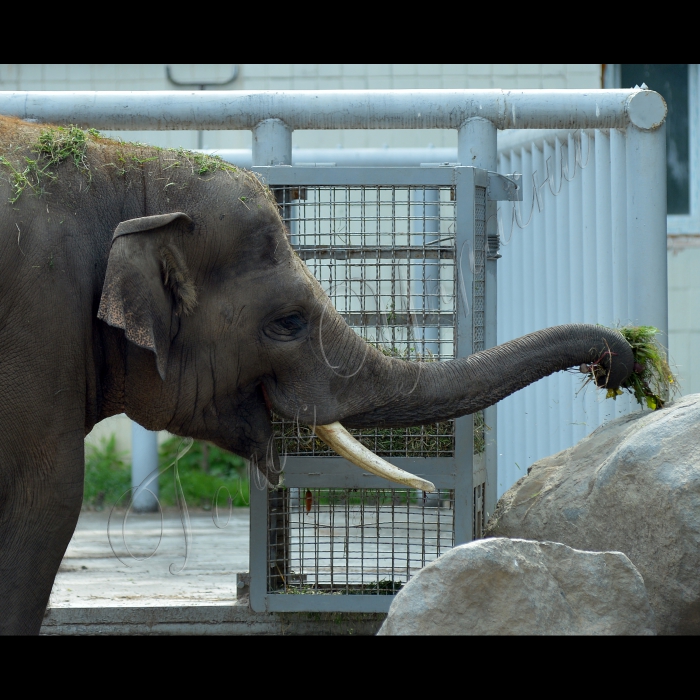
{"x": 494, "y": 243}
{"x": 507, "y": 188}
{"x": 201, "y": 85}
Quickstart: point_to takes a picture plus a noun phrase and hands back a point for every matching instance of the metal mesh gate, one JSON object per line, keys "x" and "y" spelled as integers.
{"x": 402, "y": 258}
{"x": 385, "y": 255}
{"x": 357, "y": 541}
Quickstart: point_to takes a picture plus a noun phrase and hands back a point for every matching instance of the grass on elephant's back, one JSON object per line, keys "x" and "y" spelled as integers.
{"x": 204, "y": 470}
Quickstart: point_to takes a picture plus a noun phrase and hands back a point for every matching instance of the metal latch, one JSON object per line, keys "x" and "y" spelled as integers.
{"x": 507, "y": 188}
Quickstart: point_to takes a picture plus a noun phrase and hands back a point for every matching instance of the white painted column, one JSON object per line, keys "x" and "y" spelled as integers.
{"x": 646, "y": 229}
{"x": 144, "y": 469}
{"x": 272, "y": 143}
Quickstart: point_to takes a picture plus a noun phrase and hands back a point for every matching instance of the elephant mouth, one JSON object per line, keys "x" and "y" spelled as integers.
{"x": 345, "y": 445}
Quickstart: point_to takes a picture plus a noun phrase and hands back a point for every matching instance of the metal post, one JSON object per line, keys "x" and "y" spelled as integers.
{"x": 272, "y": 143}
{"x": 465, "y": 191}
{"x": 477, "y": 146}
{"x": 646, "y": 228}
{"x": 618, "y": 202}
{"x": 563, "y": 290}
{"x": 603, "y": 228}
{"x": 536, "y": 421}
{"x": 144, "y": 464}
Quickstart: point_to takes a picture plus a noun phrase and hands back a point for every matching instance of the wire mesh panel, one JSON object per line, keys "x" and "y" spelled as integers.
{"x": 357, "y": 541}
{"x": 406, "y": 270}
{"x": 386, "y": 257}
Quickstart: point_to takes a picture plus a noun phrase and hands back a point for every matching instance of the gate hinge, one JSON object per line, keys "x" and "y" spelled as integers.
{"x": 505, "y": 187}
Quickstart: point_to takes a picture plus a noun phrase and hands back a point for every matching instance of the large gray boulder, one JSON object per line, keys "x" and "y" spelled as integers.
{"x": 504, "y": 586}
{"x": 631, "y": 486}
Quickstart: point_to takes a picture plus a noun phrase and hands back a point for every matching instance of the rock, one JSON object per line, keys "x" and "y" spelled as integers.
{"x": 631, "y": 486}
{"x": 504, "y": 586}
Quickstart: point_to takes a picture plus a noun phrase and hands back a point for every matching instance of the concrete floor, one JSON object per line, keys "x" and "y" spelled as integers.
{"x": 97, "y": 594}
{"x": 92, "y": 576}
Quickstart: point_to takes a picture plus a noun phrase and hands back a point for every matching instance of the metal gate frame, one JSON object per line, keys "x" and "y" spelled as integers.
{"x": 462, "y": 472}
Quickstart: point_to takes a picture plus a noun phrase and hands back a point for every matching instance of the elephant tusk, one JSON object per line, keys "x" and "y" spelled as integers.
{"x": 338, "y": 438}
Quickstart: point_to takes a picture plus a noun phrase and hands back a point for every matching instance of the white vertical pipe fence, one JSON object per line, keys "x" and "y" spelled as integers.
{"x": 144, "y": 469}
{"x": 586, "y": 245}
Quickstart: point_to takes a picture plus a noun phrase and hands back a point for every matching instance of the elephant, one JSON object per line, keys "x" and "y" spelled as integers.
{"x": 162, "y": 284}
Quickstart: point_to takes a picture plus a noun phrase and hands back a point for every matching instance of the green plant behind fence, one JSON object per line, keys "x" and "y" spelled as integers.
{"x": 203, "y": 471}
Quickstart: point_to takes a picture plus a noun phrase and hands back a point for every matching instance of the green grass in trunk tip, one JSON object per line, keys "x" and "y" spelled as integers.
{"x": 652, "y": 382}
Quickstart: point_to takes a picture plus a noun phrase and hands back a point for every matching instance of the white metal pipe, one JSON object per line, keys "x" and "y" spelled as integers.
{"x": 588, "y": 253}
{"x": 338, "y": 109}
{"x": 386, "y": 157}
{"x": 477, "y": 143}
{"x": 511, "y": 419}
{"x": 528, "y": 260}
{"x": 551, "y": 242}
{"x": 564, "y": 312}
{"x": 537, "y": 417}
{"x": 576, "y": 282}
{"x": 646, "y": 228}
{"x": 272, "y": 143}
{"x": 618, "y": 224}
{"x": 144, "y": 469}
{"x": 603, "y": 228}
{"x": 477, "y": 146}
{"x": 618, "y": 203}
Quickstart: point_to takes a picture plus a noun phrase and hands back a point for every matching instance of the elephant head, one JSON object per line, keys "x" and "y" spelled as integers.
{"x": 224, "y": 323}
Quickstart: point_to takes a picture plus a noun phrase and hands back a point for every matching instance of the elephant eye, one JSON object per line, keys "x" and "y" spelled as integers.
{"x": 288, "y": 327}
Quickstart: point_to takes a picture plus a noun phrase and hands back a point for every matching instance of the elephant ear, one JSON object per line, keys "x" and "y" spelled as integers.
{"x": 147, "y": 285}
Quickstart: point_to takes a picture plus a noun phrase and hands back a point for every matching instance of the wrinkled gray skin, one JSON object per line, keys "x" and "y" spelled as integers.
{"x": 90, "y": 328}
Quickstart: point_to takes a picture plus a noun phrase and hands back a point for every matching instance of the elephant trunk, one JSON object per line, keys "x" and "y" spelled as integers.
{"x": 396, "y": 393}
{"x": 368, "y": 389}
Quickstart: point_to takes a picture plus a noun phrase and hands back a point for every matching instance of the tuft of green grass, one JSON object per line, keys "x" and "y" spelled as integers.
{"x": 652, "y": 383}
{"x": 58, "y": 144}
{"x": 63, "y": 143}
{"x": 54, "y": 146}
{"x": 200, "y": 163}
